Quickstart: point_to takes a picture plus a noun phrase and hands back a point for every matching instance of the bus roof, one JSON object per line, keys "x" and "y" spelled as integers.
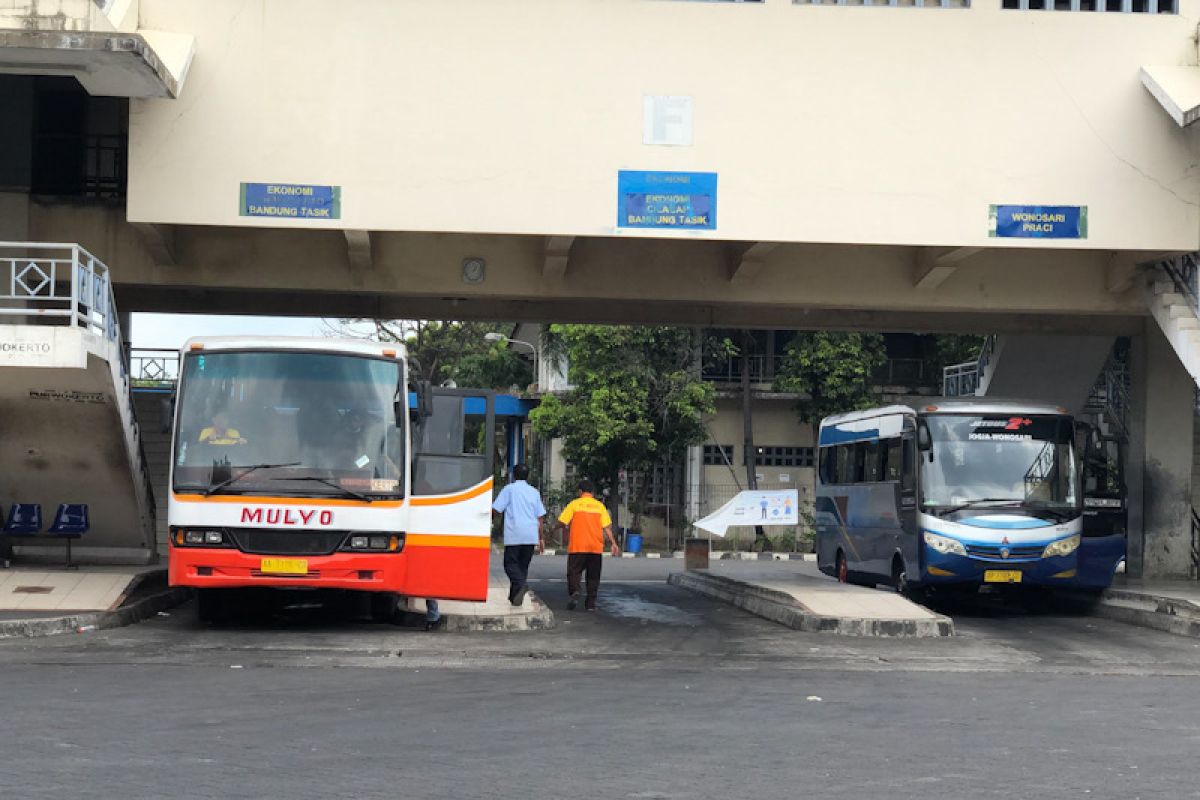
{"x": 307, "y": 343}
{"x": 949, "y": 405}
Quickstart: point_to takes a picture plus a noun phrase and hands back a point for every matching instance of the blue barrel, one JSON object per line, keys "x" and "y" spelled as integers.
{"x": 633, "y": 542}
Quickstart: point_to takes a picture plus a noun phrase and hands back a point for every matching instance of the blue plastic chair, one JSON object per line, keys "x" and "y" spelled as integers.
{"x": 70, "y": 523}
{"x": 24, "y": 519}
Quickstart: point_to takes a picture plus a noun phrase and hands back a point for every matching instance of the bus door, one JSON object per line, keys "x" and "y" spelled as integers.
{"x": 905, "y": 448}
{"x": 1105, "y": 510}
{"x": 449, "y": 537}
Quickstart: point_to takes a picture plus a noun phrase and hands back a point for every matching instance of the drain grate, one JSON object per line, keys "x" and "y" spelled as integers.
{"x": 33, "y": 590}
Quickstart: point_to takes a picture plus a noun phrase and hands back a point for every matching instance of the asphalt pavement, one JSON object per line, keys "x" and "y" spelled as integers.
{"x": 658, "y": 694}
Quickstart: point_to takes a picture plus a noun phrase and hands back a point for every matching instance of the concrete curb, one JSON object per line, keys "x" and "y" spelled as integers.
{"x": 782, "y": 608}
{"x": 715, "y": 556}
{"x": 540, "y": 618}
{"x": 1147, "y": 610}
{"x": 95, "y": 620}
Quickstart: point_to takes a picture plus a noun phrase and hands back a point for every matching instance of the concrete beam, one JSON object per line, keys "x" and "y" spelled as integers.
{"x": 159, "y": 241}
{"x": 557, "y": 256}
{"x": 747, "y": 260}
{"x": 933, "y": 265}
{"x": 1120, "y": 271}
{"x": 358, "y": 250}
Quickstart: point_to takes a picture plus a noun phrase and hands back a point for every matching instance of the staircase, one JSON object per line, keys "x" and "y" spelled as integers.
{"x": 1172, "y": 290}
{"x": 68, "y": 431}
{"x": 1060, "y": 370}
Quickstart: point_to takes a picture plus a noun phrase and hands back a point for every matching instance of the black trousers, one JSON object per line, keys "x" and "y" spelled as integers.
{"x": 579, "y": 563}
{"x": 516, "y": 566}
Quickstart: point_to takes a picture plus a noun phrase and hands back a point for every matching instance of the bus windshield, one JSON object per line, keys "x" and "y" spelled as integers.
{"x": 289, "y": 423}
{"x": 974, "y": 461}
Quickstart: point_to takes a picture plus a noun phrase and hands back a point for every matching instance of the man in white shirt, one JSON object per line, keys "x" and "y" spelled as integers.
{"x": 522, "y": 508}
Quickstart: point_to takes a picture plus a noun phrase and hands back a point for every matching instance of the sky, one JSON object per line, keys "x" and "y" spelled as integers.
{"x": 170, "y": 331}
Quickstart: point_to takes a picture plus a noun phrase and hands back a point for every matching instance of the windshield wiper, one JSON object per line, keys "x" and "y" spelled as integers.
{"x": 247, "y": 470}
{"x": 345, "y": 492}
{"x": 979, "y": 500}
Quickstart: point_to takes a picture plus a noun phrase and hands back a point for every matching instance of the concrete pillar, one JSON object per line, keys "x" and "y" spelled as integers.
{"x": 693, "y": 475}
{"x": 1160, "y": 457}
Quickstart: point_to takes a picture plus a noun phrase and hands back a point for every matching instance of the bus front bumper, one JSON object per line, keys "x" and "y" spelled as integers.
{"x": 452, "y": 573}
{"x": 943, "y": 569}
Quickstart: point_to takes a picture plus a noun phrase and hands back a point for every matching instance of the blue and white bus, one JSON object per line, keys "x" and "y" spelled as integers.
{"x": 957, "y": 493}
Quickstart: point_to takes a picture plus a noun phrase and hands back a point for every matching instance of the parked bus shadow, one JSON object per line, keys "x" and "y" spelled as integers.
{"x": 302, "y": 610}
{"x": 1011, "y": 602}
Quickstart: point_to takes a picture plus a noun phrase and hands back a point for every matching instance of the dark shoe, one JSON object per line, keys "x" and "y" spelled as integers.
{"x": 572, "y": 602}
{"x": 519, "y": 597}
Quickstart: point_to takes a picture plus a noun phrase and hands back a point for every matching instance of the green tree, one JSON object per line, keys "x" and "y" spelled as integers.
{"x": 636, "y": 399}
{"x": 831, "y": 371}
{"x": 447, "y": 350}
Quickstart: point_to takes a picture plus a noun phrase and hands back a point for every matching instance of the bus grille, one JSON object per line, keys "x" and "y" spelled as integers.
{"x": 288, "y": 543}
{"x": 1016, "y": 552}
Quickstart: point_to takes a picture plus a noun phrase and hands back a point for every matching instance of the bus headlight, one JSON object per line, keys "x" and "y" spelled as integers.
{"x": 1063, "y": 547}
{"x": 944, "y": 544}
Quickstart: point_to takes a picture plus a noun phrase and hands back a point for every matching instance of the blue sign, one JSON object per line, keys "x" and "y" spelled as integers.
{"x": 291, "y": 201}
{"x": 671, "y": 200}
{"x": 1038, "y": 222}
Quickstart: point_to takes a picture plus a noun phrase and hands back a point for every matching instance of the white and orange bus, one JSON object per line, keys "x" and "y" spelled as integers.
{"x": 314, "y": 463}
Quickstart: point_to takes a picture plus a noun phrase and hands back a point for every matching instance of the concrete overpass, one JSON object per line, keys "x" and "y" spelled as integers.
{"x": 953, "y": 167}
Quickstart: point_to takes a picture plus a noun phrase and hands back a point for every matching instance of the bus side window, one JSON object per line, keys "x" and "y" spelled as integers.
{"x": 845, "y": 463}
{"x": 872, "y": 468}
{"x": 893, "y": 461}
{"x": 828, "y": 465}
{"x": 908, "y": 469}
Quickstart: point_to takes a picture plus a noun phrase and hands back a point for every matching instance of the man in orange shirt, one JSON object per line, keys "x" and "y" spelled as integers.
{"x": 588, "y": 526}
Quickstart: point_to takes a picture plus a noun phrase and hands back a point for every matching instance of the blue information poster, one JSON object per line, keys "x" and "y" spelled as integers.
{"x": 291, "y": 201}
{"x": 667, "y": 200}
{"x": 1038, "y": 222}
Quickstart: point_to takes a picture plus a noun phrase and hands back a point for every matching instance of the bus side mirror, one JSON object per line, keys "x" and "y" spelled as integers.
{"x": 166, "y": 413}
{"x": 423, "y": 406}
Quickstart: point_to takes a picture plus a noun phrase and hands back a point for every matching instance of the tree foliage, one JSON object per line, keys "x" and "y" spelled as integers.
{"x": 636, "y": 399}
{"x": 447, "y": 350}
{"x": 831, "y": 370}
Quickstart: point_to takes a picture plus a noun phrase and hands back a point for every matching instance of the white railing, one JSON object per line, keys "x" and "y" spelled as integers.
{"x": 45, "y": 283}
{"x": 57, "y": 284}
{"x": 153, "y": 367}
{"x": 962, "y": 380}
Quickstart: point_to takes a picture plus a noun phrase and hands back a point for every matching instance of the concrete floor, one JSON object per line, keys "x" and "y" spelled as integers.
{"x": 658, "y": 694}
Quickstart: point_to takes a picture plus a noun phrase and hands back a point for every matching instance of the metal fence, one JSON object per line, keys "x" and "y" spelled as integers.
{"x": 763, "y": 369}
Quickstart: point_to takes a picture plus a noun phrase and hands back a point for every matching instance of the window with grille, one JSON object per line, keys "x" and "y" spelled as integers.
{"x": 713, "y": 455}
{"x": 1115, "y": 6}
{"x": 784, "y": 456}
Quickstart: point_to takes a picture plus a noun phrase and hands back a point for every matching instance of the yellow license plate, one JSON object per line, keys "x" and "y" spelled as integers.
{"x": 284, "y": 566}
{"x": 1002, "y": 576}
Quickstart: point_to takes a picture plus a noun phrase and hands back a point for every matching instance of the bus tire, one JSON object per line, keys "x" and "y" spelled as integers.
{"x": 385, "y": 607}
{"x": 901, "y": 584}
{"x": 211, "y": 605}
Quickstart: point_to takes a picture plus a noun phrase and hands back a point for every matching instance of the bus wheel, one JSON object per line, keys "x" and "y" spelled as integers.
{"x": 900, "y": 581}
{"x": 385, "y": 607}
{"x": 842, "y": 571}
{"x": 210, "y": 605}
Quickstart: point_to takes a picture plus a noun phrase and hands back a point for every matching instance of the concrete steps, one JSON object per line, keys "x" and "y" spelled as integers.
{"x": 1177, "y": 319}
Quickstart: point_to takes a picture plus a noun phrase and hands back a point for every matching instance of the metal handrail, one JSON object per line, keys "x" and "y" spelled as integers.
{"x": 1184, "y": 273}
{"x": 960, "y": 380}
{"x": 1195, "y": 570}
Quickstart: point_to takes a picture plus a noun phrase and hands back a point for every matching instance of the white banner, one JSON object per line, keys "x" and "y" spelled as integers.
{"x": 774, "y": 507}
